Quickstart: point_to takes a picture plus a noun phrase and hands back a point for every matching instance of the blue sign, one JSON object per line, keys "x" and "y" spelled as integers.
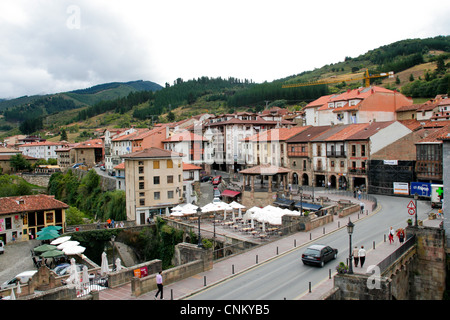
{"x": 421, "y": 188}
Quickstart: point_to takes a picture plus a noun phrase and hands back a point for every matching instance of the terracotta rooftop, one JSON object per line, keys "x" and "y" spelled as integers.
{"x": 152, "y": 153}
{"x": 277, "y": 134}
{"x": 308, "y": 134}
{"x": 436, "y": 135}
{"x": 93, "y": 143}
{"x": 120, "y": 166}
{"x": 185, "y": 136}
{"x": 20, "y": 204}
{"x": 189, "y": 166}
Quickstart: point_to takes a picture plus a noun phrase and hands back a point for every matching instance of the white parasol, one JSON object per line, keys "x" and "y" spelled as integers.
{"x": 60, "y": 240}
{"x": 85, "y": 277}
{"x": 66, "y": 244}
{"x": 118, "y": 264}
{"x": 236, "y": 205}
{"x": 104, "y": 267}
{"x": 70, "y": 250}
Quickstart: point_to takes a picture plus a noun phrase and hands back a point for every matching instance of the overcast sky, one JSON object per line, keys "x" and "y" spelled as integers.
{"x": 50, "y": 46}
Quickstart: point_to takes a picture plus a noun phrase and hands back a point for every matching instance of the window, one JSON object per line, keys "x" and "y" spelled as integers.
{"x": 8, "y": 223}
{"x": 142, "y": 202}
{"x": 141, "y": 178}
{"x": 169, "y": 179}
{"x": 353, "y": 150}
{"x": 342, "y": 164}
{"x": 332, "y": 163}
{"x": 156, "y": 180}
{"x": 363, "y": 150}
{"x": 170, "y": 194}
{"x": 141, "y": 163}
{"x": 141, "y": 170}
{"x": 155, "y": 164}
{"x": 141, "y": 194}
{"x": 141, "y": 185}
{"x": 156, "y": 195}
{"x": 169, "y": 164}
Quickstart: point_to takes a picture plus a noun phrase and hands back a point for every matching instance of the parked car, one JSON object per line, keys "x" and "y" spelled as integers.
{"x": 206, "y": 179}
{"x": 76, "y": 165}
{"x": 216, "y": 200}
{"x": 23, "y": 277}
{"x": 2, "y": 247}
{"x": 217, "y": 180}
{"x": 319, "y": 254}
{"x": 102, "y": 167}
{"x": 63, "y": 269}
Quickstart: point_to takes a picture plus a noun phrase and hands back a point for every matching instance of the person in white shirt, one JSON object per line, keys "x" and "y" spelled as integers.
{"x": 362, "y": 256}
{"x": 159, "y": 283}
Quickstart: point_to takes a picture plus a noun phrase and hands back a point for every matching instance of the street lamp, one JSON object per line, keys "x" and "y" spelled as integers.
{"x": 350, "y": 227}
{"x": 301, "y": 200}
{"x": 416, "y": 196}
{"x": 113, "y": 237}
{"x": 199, "y": 212}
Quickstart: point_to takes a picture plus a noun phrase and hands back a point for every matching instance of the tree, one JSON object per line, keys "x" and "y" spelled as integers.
{"x": 19, "y": 163}
{"x": 171, "y": 116}
{"x": 63, "y": 135}
{"x": 440, "y": 65}
{"x": 74, "y": 216}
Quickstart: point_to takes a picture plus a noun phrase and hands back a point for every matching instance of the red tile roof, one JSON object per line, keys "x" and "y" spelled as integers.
{"x": 189, "y": 166}
{"x": 152, "y": 153}
{"x": 278, "y": 134}
{"x": 10, "y": 205}
{"x": 185, "y": 136}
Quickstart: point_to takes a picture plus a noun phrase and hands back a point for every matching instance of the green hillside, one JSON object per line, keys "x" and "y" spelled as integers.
{"x": 421, "y": 70}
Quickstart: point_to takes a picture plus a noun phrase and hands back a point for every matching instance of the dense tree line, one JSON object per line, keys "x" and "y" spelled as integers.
{"x": 38, "y": 108}
{"x": 11, "y": 186}
{"x": 86, "y": 195}
{"x": 388, "y": 53}
{"x": 431, "y": 88}
{"x": 120, "y": 105}
{"x": 271, "y": 91}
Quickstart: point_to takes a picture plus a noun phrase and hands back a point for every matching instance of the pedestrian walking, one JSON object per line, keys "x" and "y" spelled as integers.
{"x": 439, "y": 213}
{"x": 159, "y": 284}
{"x": 361, "y": 207}
{"x": 355, "y": 254}
{"x": 362, "y": 256}
{"x": 401, "y": 236}
{"x": 359, "y": 194}
{"x": 391, "y": 235}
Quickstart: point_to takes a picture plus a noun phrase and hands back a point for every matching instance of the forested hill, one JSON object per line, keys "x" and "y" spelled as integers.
{"x": 88, "y": 96}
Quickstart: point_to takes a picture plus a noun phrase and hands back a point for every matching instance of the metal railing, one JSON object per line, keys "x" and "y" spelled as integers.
{"x": 394, "y": 256}
{"x": 100, "y": 283}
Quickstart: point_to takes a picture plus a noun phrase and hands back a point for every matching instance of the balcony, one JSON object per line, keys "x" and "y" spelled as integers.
{"x": 336, "y": 154}
{"x": 298, "y": 154}
{"x": 357, "y": 170}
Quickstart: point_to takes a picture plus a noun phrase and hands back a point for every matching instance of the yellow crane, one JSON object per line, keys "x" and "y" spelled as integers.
{"x": 366, "y": 77}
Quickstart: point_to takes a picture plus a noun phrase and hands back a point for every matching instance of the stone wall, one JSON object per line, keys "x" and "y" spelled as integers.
{"x": 37, "y": 179}
{"x": 428, "y": 270}
{"x": 360, "y": 287}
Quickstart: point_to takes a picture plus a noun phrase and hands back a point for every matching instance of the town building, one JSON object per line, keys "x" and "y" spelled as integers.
{"x": 23, "y": 216}
{"x": 191, "y": 145}
{"x": 191, "y": 182}
{"x": 5, "y": 159}
{"x": 41, "y": 150}
{"x": 362, "y": 105}
{"x": 153, "y": 183}
{"x": 227, "y": 133}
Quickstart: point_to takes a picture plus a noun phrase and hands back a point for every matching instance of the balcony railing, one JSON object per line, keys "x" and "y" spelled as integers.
{"x": 358, "y": 170}
{"x": 336, "y": 154}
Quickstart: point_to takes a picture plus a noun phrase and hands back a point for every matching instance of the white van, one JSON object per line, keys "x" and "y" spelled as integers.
{"x": 23, "y": 277}
{"x": 2, "y": 247}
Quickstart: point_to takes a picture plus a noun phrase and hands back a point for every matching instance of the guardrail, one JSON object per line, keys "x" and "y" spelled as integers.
{"x": 389, "y": 260}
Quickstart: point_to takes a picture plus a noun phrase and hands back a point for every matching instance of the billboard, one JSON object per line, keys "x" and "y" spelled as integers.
{"x": 401, "y": 188}
{"x": 423, "y": 189}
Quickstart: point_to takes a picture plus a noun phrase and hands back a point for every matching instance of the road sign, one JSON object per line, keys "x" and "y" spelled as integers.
{"x": 411, "y": 205}
{"x": 411, "y": 211}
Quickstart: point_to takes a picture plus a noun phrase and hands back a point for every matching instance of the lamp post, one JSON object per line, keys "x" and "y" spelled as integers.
{"x": 301, "y": 200}
{"x": 199, "y": 212}
{"x": 416, "y": 196}
{"x": 350, "y": 227}
{"x": 113, "y": 237}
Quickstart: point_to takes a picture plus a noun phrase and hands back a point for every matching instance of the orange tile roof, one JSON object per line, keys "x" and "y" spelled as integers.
{"x": 185, "y": 136}
{"x": 93, "y": 143}
{"x": 152, "y": 153}
{"x": 278, "y": 134}
{"x": 436, "y": 135}
{"x": 189, "y": 166}
{"x": 120, "y": 166}
{"x": 39, "y": 202}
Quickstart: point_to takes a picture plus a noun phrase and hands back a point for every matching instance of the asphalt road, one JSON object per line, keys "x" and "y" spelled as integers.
{"x": 287, "y": 278}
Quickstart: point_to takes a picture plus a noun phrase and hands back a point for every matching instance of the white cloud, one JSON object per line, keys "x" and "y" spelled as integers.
{"x": 49, "y": 45}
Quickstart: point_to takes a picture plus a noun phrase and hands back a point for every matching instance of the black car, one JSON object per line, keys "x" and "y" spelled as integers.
{"x": 206, "y": 179}
{"x": 319, "y": 254}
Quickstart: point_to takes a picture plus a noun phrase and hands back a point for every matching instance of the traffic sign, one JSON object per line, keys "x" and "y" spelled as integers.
{"x": 411, "y": 211}
{"x": 411, "y": 205}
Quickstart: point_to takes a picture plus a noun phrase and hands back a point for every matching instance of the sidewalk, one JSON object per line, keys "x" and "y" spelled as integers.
{"x": 223, "y": 268}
